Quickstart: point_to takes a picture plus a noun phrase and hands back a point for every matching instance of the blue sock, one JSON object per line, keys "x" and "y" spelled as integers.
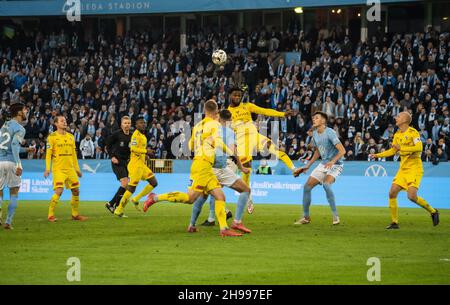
{"x": 212, "y": 212}
{"x": 196, "y": 209}
{"x": 242, "y": 201}
{"x": 306, "y": 199}
{"x": 330, "y": 198}
{"x": 12, "y": 206}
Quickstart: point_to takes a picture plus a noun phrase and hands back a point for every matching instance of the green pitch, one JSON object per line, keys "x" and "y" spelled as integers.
{"x": 154, "y": 248}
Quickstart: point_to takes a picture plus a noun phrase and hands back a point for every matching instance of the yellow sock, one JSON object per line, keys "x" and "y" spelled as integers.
{"x": 75, "y": 202}
{"x": 282, "y": 156}
{"x": 174, "y": 197}
{"x": 422, "y": 202}
{"x": 53, "y": 202}
{"x": 221, "y": 214}
{"x": 124, "y": 200}
{"x": 246, "y": 177}
{"x": 393, "y": 206}
{"x": 145, "y": 191}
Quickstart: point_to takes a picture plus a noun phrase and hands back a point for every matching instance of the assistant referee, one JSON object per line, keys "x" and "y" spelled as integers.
{"x": 117, "y": 145}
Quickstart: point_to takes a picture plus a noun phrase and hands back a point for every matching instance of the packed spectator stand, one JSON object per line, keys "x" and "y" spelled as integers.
{"x": 361, "y": 86}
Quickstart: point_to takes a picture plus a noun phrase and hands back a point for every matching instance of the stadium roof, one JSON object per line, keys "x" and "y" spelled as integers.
{"x": 13, "y": 8}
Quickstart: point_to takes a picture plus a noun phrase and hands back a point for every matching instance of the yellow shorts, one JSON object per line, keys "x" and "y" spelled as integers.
{"x": 138, "y": 172}
{"x": 249, "y": 144}
{"x": 202, "y": 177}
{"x": 65, "y": 178}
{"x": 408, "y": 178}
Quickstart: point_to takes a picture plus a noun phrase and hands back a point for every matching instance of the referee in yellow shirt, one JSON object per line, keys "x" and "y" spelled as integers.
{"x": 407, "y": 144}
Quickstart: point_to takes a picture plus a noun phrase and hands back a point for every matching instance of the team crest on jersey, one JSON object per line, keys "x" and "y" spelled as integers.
{"x": 122, "y": 144}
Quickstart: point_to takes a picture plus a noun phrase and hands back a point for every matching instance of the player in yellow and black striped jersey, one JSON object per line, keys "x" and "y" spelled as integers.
{"x": 408, "y": 145}
{"x": 61, "y": 156}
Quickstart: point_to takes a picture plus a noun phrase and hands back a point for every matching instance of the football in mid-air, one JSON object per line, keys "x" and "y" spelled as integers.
{"x": 219, "y": 57}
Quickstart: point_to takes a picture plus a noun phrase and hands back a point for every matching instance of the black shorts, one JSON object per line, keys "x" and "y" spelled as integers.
{"x": 120, "y": 170}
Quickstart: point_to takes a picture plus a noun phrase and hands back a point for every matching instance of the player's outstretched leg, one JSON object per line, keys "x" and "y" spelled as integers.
{"x": 124, "y": 201}
{"x": 152, "y": 183}
{"x": 172, "y": 197}
{"x": 75, "y": 201}
{"x": 412, "y": 195}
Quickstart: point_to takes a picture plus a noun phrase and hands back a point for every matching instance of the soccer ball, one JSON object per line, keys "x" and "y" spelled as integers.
{"x": 219, "y": 57}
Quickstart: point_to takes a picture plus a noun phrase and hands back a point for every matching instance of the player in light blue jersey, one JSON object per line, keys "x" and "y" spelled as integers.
{"x": 12, "y": 134}
{"x": 330, "y": 149}
{"x": 227, "y": 177}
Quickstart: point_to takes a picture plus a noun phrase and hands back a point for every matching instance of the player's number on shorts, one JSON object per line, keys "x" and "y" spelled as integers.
{"x": 5, "y": 137}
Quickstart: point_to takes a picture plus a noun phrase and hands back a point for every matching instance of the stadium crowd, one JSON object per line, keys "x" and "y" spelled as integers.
{"x": 360, "y": 86}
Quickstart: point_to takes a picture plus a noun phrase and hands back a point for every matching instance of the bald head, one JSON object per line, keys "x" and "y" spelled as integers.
{"x": 403, "y": 118}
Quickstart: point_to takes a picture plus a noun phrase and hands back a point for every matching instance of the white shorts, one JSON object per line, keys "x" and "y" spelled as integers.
{"x": 8, "y": 177}
{"x": 226, "y": 176}
{"x": 320, "y": 172}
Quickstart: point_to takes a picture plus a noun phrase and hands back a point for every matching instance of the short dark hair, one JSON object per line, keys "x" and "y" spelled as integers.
{"x": 225, "y": 115}
{"x": 210, "y": 106}
{"x": 14, "y": 109}
{"x": 322, "y": 114}
{"x": 57, "y": 118}
{"x": 234, "y": 88}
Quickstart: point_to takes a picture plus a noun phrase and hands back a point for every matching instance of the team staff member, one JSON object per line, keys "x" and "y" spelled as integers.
{"x": 118, "y": 147}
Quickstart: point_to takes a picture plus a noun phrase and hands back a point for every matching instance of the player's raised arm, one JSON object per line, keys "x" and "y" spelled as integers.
{"x": 265, "y": 111}
{"x": 388, "y": 153}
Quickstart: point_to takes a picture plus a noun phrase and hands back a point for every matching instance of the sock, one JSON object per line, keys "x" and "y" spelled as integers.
{"x": 221, "y": 214}
{"x": 422, "y": 202}
{"x": 1, "y": 202}
{"x": 173, "y": 197}
{"x": 124, "y": 201}
{"x": 116, "y": 199}
{"x": 196, "y": 209}
{"x": 11, "y": 209}
{"x": 330, "y": 198}
{"x": 242, "y": 201}
{"x": 145, "y": 191}
{"x": 306, "y": 199}
{"x": 246, "y": 177}
{"x": 53, "y": 202}
{"x": 393, "y": 206}
{"x": 282, "y": 156}
{"x": 212, "y": 209}
{"x": 75, "y": 202}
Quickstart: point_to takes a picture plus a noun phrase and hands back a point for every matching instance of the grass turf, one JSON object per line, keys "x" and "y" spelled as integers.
{"x": 154, "y": 248}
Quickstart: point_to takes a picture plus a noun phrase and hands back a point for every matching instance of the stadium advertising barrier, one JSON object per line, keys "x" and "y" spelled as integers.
{"x": 362, "y": 184}
{"x": 116, "y": 7}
